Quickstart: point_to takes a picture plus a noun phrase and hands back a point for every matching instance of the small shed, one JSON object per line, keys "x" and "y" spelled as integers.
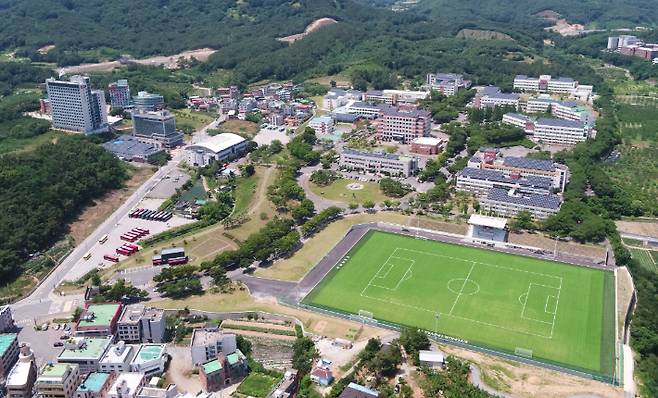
{"x": 432, "y": 359}
{"x": 486, "y": 228}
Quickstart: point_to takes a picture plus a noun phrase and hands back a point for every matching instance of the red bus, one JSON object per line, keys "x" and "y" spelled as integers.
{"x": 132, "y": 234}
{"x": 127, "y": 238}
{"x": 178, "y": 260}
{"x": 123, "y": 251}
{"x": 112, "y": 258}
{"x": 142, "y": 231}
{"x": 157, "y": 260}
{"x": 133, "y": 247}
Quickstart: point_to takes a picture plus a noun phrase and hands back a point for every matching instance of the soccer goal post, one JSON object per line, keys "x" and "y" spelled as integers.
{"x": 523, "y": 352}
{"x": 365, "y": 314}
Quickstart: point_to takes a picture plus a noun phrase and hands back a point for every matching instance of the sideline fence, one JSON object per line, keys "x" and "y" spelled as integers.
{"x": 472, "y": 346}
{"x": 614, "y": 380}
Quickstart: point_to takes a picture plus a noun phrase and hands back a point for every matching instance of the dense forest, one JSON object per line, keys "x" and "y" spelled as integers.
{"x": 41, "y": 191}
{"x": 84, "y": 31}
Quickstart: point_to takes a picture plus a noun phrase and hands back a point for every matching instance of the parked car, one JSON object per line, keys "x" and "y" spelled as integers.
{"x": 44, "y": 326}
{"x": 58, "y": 344}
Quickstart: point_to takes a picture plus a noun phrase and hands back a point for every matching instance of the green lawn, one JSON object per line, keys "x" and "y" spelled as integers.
{"x": 646, "y": 258}
{"x": 562, "y": 313}
{"x": 338, "y": 191}
{"x": 257, "y": 385}
{"x": 245, "y": 191}
{"x": 193, "y": 119}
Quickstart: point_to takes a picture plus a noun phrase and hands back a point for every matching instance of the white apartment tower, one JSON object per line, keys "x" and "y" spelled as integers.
{"x": 75, "y": 106}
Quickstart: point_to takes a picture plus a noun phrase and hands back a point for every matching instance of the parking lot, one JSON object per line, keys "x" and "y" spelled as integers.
{"x": 265, "y": 136}
{"x": 155, "y": 196}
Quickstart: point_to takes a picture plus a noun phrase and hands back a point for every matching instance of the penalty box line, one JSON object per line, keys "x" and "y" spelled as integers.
{"x": 434, "y": 313}
{"x": 487, "y": 264}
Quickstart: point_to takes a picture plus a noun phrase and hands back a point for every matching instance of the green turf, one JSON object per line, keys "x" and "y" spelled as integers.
{"x": 563, "y": 313}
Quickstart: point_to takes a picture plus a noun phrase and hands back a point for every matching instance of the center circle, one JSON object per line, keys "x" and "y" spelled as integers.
{"x": 463, "y": 286}
{"x": 353, "y": 186}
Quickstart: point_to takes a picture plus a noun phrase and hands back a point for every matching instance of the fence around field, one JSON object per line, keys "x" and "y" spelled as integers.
{"x": 439, "y": 338}
{"x": 478, "y": 347}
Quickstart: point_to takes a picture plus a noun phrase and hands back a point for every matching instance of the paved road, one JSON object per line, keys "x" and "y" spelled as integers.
{"x": 476, "y": 379}
{"x": 319, "y": 202}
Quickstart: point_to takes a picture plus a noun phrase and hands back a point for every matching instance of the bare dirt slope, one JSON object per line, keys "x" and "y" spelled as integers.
{"x": 312, "y": 27}
{"x": 168, "y": 61}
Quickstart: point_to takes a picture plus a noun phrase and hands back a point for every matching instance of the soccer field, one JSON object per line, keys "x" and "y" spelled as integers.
{"x": 559, "y": 313}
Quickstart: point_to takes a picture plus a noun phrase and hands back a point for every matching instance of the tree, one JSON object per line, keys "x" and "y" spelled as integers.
{"x": 243, "y": 344}
{"x": 393, "y": 188}
{"x": 304, "y": 353}
{"x": 414, "y": 340}
{"x": 304, "y": 211}
{"x": 248, "y": 170}
{"x": 522, "y": 221}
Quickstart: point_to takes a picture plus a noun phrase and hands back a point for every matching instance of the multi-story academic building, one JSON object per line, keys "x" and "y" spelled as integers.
{"x": 403, "y": 126}
{"x": 378, "y": 163}
{"x": 545, "y": 83}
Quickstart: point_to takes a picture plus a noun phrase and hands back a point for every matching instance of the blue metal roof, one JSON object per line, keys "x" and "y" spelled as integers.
{"x": 535, "y": 200}
{"x": 525, "y": 163}
{"x": 498, "y": 176}
{"x": 560, "y": 123}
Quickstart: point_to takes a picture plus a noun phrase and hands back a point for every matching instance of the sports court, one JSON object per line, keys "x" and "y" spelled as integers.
{"x": 546, "y": 310}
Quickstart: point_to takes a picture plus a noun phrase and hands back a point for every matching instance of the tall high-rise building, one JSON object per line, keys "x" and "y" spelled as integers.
{"x": 120, "y": 94}
{"x": 75, "y": 106}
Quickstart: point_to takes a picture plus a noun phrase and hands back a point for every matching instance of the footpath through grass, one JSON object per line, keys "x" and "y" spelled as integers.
{"x": 561, "y": 313}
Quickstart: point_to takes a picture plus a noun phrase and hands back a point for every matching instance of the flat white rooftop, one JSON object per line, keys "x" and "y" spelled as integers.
{"x": 487, "y": 221}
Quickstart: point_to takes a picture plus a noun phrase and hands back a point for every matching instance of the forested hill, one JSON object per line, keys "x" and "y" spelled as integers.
{"x": 161, "y": 26}
{"x": 522, "y": 13}
{"x": 81, "y": 30}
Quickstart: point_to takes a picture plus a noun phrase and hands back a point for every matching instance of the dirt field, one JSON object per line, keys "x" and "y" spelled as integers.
{"x": 180, "y": 370}
{"x": 639, "y": 227}
{"x": 624, "y": 294}
{"x": 312, "y": 27}
{"x": 169, "y": 62}
{"x": 240, "y": 127}
{"x": 530, "y": 381}
{"x": 272, "y": 353}
{"x": 240, "y": 300}
{"x": 542, "y": 242}
{"x": 436, "y": 225}
{"x": 94, "y": 215}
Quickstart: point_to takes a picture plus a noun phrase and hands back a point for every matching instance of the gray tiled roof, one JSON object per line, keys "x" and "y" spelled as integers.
{"x": 564, "y": 79}
{"x": 393, "y": 111}
{"x": 535, "y": 200}
{"x": 525, "y": 163}
{"x": 518, "y": 116}
{"x": 570, "y": 104}
{"x": 559, "y": 123}
{"x": 495, "y": 92}
{"x": 498, "y": 176}
{"x": 380, "y": 155}
{"x": 365, "y": 105}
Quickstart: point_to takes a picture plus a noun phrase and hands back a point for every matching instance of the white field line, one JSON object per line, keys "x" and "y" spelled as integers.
{"x": 557, "y": 303}
{"x": 481, "y": 263}
{"x": 378, "y": 271}
{"x": 461, "y": 291}
{"x": 391, "y": 301}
